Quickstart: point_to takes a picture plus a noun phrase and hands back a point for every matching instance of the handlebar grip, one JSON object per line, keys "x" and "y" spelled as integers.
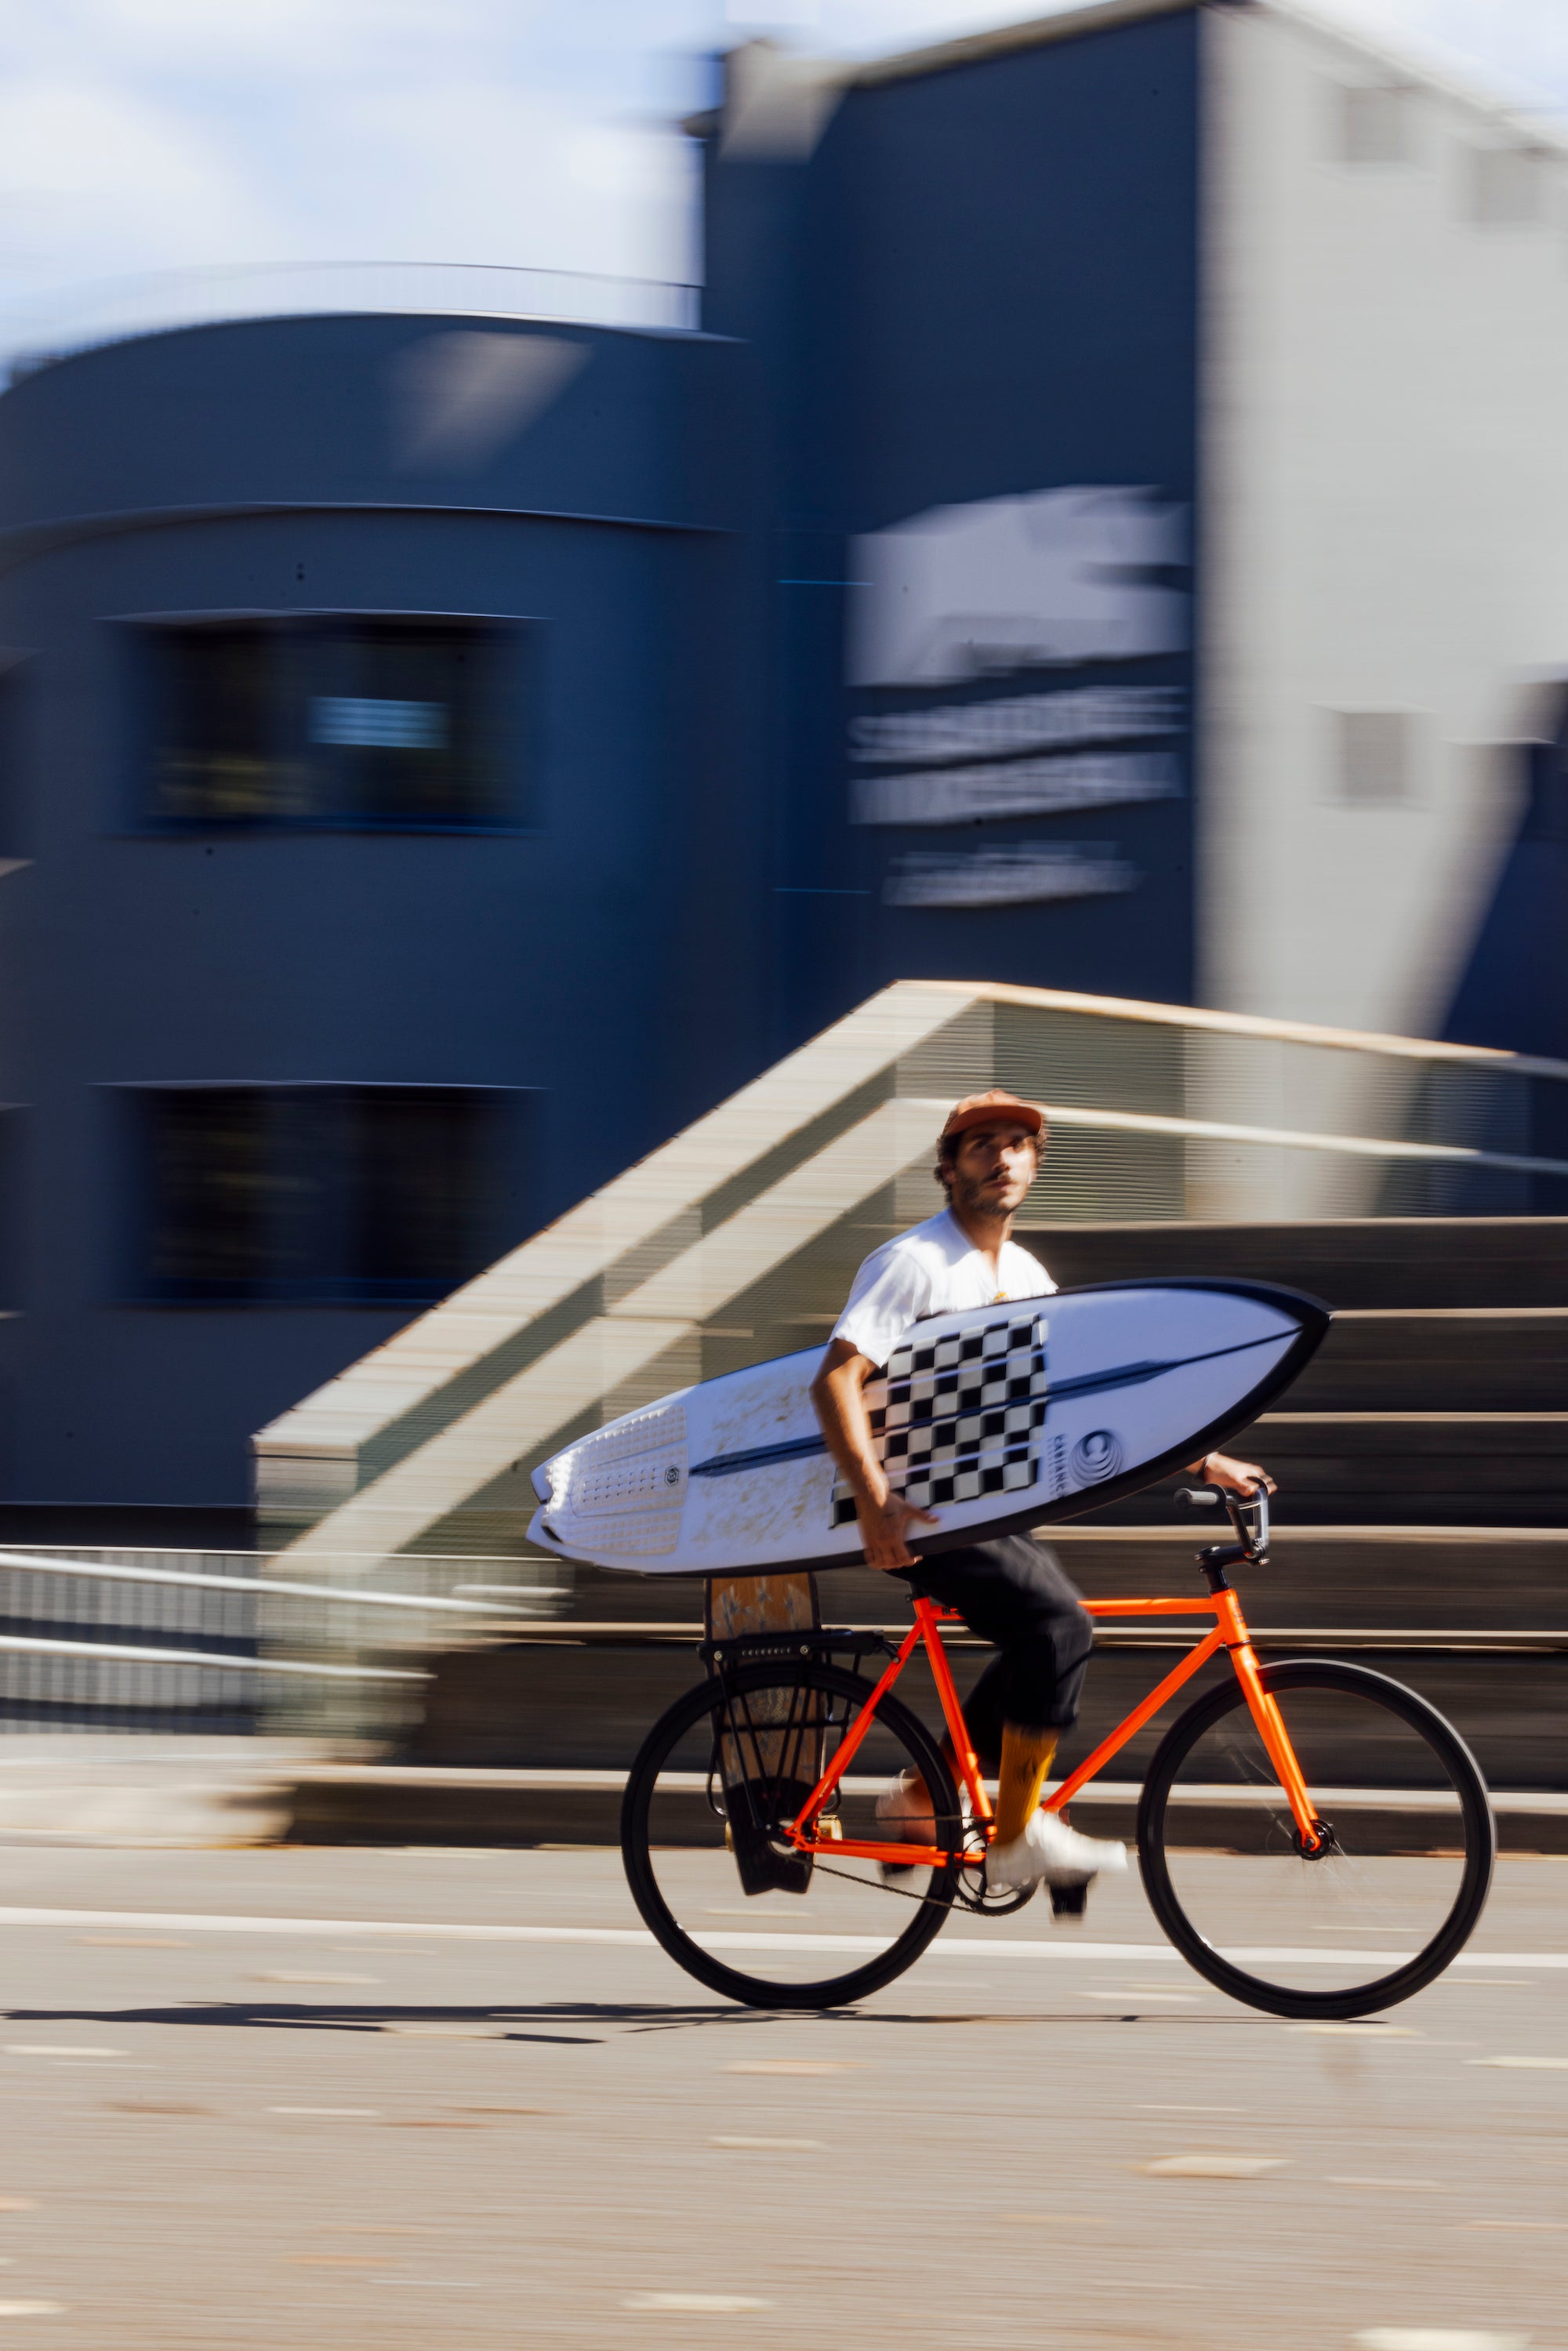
{"x": 1202, "y": 1498}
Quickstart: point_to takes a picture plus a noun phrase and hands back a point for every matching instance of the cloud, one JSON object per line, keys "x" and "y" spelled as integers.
{"x": 105, "y": 177}
{"x": 1519, "y": 44}
{"x": 148, "y": 135}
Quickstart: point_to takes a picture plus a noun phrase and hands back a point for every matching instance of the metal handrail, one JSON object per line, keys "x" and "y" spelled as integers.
{"x": 640, "y": 1634}
{"x": 258, "y": 1585}
{"x": 28, "y": 1645}
{"x": 1286, "y": 1138}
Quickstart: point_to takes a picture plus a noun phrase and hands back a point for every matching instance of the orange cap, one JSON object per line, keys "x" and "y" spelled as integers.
{"x": 996, "y": 1107}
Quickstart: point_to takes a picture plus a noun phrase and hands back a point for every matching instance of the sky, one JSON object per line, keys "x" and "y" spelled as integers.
{"x": 141, "y": 136}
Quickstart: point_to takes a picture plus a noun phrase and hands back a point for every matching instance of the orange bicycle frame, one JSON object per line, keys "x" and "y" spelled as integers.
{"x": 1229, "y": 1634}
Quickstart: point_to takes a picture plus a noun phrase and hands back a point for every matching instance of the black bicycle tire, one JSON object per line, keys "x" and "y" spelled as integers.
{"x": 1480, "y": 1844}
{"x": 927, "y": 1917}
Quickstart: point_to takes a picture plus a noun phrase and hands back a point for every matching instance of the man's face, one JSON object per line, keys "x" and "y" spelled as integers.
{"x": 993, "y": 1169}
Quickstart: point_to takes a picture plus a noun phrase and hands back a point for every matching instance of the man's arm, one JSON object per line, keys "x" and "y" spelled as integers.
{"x": 838, "y": 1392}
{"x": 1237, "y": 1477}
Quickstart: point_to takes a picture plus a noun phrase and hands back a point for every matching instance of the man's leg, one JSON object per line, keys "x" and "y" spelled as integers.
{"x": 1014, "y": 1593}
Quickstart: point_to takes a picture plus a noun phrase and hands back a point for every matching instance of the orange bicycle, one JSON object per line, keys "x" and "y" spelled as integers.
{"x": 1313, "y": 1837}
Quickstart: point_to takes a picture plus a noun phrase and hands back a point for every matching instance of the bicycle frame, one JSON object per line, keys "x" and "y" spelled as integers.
{"x": 1229, "y": 1634}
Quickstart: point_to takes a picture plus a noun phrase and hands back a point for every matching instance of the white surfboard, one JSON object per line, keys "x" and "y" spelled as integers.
{"x": 998, "y": 1418}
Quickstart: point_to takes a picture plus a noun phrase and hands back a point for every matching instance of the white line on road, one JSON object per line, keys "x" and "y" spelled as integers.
{"x": 638, "y": 1938}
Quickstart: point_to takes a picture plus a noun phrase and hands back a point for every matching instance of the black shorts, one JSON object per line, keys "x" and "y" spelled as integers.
{"x": 1015, "y": 1593}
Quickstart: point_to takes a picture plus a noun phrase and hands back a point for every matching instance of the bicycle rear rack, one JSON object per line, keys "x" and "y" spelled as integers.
{"x": 816, "y": 1640}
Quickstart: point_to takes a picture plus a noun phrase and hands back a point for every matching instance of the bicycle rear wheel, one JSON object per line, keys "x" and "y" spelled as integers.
{"x": 708, "y": 1799}
{"x": 1399, "y": 1885}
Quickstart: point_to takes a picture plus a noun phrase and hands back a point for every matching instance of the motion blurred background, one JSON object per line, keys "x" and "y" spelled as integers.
{"x": 551, "y": 558}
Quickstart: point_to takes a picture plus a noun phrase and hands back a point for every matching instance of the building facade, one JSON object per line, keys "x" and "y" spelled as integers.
{"x": 1109, "y": 533}
{"x": 378, "y": 785}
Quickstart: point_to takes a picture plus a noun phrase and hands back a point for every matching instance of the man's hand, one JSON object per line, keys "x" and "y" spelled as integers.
{"x": 1236, "y": 1476}
{"x": 884, "y": 1530}
{"x": 884, "y": 1519}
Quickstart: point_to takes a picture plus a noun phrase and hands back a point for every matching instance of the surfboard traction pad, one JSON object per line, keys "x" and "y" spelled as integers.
{"x": 959, "y": 1417}
{"x": 733, "y": 1606}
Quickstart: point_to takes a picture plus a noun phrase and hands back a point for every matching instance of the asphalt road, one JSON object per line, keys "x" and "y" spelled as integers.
{"x": 273, "y": 2097}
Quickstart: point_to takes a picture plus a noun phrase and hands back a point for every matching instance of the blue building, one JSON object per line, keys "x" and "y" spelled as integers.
{"x": 382, "y": 768}
{"x": 444, "y": 755}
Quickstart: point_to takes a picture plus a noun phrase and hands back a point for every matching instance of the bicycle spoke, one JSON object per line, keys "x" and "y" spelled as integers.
{"x": 1378, "y": 1904}
{"x": 730, "y": 1896}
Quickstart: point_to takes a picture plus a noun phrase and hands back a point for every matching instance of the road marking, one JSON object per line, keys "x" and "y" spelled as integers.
{"x": 358, "y": 2112}
{"x": 797, "y": 2065}
{"x": 637, "y": 1939}
{"x": 135, "y": 1942}
{"x": 715, "y": 2305}
{"x": 1358, "y": 2179}
{"x": 1135, "y": 1991}
{"x": 1059, "y": 2219}
{"x": 448, "y": 2032}
{"x": 1439, "y": 2338}
{"x": 1543, "y": 2065}
{"x": 1365, "y": 2032}
{"x": 30, "y": 2309}
{"x": 56, "y": 2049}
{"x": 1211, "y": 2166}
{"x": 155, "y": 2107}
{"x": 791, "y": 2146}
{"x": 310, "y": 1975}
{"x": 343, "y": 2260}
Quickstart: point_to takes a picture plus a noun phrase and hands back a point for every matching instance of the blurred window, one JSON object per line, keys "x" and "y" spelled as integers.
{"x": 398, "y": 724}
{"x": 1374, "y": 124}
{"x": 1374, "y": 757}
{"x": 1505, "y": 185}
{"x": 315, "y": 1192}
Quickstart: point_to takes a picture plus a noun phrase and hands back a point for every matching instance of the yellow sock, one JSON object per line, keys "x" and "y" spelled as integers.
{"x": 1026, "y": 1760}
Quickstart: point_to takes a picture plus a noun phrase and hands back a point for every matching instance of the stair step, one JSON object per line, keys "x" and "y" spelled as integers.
{"x": 1414, "y": 1261}
{"x": 1455, "y": 1358}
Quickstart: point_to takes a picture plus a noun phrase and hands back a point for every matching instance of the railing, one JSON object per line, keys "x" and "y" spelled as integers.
{"x": 177, "y": 1641}
{"x": 81, "y": 317}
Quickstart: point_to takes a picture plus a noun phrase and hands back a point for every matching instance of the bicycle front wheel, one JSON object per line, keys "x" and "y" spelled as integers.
{"x": 703, "y": 1838}
{"x": 1401, "y": 1877}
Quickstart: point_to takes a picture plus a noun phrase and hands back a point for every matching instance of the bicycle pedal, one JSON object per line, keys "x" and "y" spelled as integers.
{"x": 1070, "y": 1901}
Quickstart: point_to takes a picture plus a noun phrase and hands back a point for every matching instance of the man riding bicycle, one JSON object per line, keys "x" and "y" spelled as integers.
{"x": 1011, "y": 1592}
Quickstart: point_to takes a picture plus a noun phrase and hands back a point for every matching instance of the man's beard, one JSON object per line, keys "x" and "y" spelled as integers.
{"x": 968, "y": 1193}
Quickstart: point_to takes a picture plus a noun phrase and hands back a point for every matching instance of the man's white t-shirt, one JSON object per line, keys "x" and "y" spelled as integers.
{"x": 935, "y": 1268}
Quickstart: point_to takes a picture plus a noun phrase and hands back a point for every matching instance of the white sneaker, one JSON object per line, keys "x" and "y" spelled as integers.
{"x": 1051, "y": 1850}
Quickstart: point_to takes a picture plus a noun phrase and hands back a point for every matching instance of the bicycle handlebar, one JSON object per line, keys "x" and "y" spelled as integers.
{"x": 1247, "y": 1513}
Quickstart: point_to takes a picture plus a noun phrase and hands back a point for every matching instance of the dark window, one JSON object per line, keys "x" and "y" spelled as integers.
{"x": 318, "y": 1192}
{"x": 405, "y": 724}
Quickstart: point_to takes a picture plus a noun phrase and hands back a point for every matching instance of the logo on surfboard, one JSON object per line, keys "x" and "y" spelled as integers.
{"x": 1096, "y": 1456}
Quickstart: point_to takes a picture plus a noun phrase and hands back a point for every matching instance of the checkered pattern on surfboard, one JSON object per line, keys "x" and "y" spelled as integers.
{"x": 957, "y": 1418}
